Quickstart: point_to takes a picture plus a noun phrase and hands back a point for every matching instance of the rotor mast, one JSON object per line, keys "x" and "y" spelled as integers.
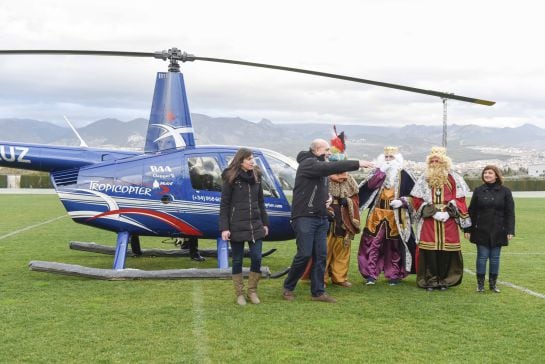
{"x": 174, "y": 55}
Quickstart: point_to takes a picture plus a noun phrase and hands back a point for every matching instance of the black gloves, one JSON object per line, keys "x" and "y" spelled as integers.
{"x": 452, "y": 211}
{"x": 429, "y": 211}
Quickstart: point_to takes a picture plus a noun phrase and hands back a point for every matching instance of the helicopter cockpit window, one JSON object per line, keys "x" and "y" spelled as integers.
{"x": 284, "y": 172}
{"x": 205, "y": 173}
{"x": 269, "y": 189}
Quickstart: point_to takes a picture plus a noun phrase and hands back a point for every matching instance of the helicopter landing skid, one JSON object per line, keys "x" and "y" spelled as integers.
{"x": 280, "y": 273}
{"x": 105, "y": 249}
{"x": 131, "y": 274}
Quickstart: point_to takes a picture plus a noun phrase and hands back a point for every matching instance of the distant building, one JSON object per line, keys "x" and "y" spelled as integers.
{"x": 14, "y": 181}
{"x": 536, "y": 170}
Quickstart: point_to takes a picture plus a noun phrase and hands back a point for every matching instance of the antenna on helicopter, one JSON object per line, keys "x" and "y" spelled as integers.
{"x": 81, "y": 141}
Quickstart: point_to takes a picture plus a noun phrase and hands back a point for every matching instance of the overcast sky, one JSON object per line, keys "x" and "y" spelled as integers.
{"x": 482, "y": 49}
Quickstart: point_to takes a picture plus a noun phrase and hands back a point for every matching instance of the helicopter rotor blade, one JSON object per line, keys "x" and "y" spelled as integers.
{"x": 79, "y": 53}
{"x": 444, "y": 95}
{"x": 174, "y": 54}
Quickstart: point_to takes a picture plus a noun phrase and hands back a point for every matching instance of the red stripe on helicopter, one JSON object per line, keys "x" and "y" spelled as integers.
{"x": 180, "y": 225}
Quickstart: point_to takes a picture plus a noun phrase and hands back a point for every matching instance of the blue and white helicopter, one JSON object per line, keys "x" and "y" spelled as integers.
{"x": 173, "y": 188}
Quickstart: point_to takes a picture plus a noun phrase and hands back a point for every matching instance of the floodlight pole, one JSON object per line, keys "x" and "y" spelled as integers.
{"x": 444, "y": 122}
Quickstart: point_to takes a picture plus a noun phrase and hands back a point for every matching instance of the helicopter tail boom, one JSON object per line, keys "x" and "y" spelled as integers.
{"x": 48, "y": 158}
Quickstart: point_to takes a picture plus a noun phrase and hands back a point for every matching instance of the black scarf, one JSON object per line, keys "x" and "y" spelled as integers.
{"x": 247, "y": 176}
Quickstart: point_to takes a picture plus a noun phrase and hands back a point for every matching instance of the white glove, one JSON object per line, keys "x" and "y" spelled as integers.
{"x": 395, "y": 204}
{"x": 329, "y": 201}
{"x": 441, "y": 216}
{"x": 384, "y": 167}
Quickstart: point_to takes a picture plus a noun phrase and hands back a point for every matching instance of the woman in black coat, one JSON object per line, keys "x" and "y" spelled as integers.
{"x": 243, "y": 218}
{"x": 492, "y": 212}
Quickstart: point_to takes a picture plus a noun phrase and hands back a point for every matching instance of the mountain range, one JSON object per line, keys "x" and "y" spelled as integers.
{"x": 465, "y": 142}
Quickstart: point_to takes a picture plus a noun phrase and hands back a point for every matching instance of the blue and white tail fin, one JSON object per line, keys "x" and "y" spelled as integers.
{"x": 170, "y": 124}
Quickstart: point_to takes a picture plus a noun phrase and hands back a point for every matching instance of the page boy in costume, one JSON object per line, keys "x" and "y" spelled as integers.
{"x": 345, "y": 216}
{"x": 439, "y": 198}
{"x": 387, "y": 243}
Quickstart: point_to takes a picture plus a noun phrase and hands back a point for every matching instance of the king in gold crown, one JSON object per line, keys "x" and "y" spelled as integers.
{"x": 439, "y": 151}
{"x": 391, "y": 150}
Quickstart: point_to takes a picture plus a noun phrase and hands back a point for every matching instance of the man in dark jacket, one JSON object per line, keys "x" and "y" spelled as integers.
{"x": 309, "y": 215}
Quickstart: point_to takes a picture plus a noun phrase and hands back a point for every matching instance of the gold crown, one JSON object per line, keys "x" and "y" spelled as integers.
{"x": 438, "y": 151}
{"x": 391, "y": 150}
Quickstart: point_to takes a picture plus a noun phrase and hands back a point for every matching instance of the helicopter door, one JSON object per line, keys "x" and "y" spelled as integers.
{"x": 270, "y": 188}
{"x": 276, "y": 203}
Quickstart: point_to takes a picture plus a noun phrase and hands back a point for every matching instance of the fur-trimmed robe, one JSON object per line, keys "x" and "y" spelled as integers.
{"x": 440, "y": 263}
{"x": 369, "y": 196}
{"x": 346, "y": 216}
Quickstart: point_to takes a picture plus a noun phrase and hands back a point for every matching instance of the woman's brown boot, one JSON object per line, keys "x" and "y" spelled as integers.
{"x": 253, "y": 279}
{"x": 238, "y": 283}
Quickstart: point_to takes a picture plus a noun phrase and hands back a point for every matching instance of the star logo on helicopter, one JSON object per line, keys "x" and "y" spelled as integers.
{"x": 175, "y": 133}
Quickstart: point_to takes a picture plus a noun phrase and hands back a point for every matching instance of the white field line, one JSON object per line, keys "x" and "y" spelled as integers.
{"x": 504, "y": 254}
{"x": 533, "y": 253}
{"x": 509, "y": 284}
{"x": 31, "y": 227}
{"x": 199, "y": 331}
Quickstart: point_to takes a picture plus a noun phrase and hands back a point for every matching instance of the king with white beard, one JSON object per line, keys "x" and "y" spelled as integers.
{"x": 440, "y": 210}
{"x": 387, "y": 243}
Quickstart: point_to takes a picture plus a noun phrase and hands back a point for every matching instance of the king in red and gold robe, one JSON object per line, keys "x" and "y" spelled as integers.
{"x": 439, "y": 258}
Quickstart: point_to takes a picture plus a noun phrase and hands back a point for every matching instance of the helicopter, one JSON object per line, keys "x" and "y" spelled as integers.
{"x": 173, "y": 188}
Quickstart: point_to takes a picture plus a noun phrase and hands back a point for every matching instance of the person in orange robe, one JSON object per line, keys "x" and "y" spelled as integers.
{"x": 345, "y": 224}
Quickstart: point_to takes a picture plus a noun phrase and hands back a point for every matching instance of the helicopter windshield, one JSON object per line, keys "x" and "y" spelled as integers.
{"x": 268, "y": 186}
{"x": 284, "y": 169}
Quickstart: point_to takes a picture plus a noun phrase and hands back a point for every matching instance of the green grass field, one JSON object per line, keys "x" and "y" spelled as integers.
{"x": 47, "y": 318}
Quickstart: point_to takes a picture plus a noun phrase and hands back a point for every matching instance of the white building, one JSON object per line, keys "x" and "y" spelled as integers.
{"x": 536, "y": 170}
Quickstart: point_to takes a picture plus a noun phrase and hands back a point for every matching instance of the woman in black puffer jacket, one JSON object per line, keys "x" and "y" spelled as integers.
{"x": 492, "y": 212}
{"x": 243, "y": 218}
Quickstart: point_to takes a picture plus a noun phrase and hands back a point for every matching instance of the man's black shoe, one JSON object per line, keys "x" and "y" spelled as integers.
{"x": 197, "y": 257}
